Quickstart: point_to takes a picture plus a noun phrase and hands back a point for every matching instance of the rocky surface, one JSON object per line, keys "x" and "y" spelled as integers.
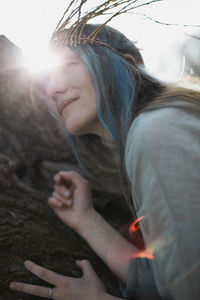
{"x": 33, "y": 147}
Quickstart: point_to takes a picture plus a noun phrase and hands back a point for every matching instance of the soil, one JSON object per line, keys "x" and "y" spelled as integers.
{"x": 33, "y": 147}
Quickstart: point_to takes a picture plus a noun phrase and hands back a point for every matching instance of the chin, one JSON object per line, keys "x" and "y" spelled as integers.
{"x": 74, "y": 130}
{"x": 79, "y": 126}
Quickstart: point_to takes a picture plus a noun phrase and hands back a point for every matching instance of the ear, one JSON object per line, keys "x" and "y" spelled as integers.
{"x": 130, "y": 58}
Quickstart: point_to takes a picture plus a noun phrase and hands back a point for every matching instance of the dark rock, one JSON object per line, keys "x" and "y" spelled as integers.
{"x": 33, "y": 147}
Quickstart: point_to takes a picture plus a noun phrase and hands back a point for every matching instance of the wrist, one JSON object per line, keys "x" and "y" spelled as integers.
{"x": 86, "y": 222}
{"x": 106, "y": 296}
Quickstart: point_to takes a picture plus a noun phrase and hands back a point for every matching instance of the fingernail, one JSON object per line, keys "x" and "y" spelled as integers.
{"x": 12, "y": 286}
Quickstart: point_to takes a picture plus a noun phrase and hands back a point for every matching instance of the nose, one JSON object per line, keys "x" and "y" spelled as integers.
{"x": 55, "y": 86}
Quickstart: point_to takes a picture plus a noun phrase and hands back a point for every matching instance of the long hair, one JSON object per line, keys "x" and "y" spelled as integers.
{"x": 113, "y": 80}
{"x": 123, "y": 90}
{"x": 117, "y": 85}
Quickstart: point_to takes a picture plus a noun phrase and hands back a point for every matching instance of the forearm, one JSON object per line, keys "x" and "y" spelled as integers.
{"x": 109, "y": 245}
{"x": 106, "y": 296}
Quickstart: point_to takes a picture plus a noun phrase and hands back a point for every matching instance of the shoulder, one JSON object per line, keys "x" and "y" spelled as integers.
{"x": 169, "y": 122}
{"x": 165, "y": 137}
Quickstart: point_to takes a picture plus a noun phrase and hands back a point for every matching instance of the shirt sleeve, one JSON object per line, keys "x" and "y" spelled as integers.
{"x": 163, "y": 165}
{"x": 141, "y": 283}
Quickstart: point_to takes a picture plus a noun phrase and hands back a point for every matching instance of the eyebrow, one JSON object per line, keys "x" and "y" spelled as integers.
{"x": 70, "y": 57}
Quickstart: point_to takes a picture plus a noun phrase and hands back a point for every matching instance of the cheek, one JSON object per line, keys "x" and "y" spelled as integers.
{"x": 81, "y": 117}
{"x": 52, "y": 107}
{"x": 79, "y": 75}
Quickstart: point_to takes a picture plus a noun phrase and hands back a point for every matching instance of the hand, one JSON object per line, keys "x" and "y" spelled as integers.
{"x": 71, "y": 199}
{"x": 87, "y": 287}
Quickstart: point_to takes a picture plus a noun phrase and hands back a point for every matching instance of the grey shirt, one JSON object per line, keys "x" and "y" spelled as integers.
{"x": 163, "y": 165}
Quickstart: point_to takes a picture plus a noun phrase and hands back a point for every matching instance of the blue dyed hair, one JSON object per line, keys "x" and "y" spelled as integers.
{"x": 115, "y": 88}
{"x": 116, "y": 82}
{"x": 123, "y": 89}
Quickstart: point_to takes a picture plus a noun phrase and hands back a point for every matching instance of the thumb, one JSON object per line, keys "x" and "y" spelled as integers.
{"x": 90, "y": 274}
{"x": 70, "y": 177}
{"x": 86, "y": 268}
{"x": 57, "y": 178}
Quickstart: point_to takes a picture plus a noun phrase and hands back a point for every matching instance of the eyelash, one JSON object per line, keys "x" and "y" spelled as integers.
{"x": 68, "y": 65}
{"x": 72, "y": 63}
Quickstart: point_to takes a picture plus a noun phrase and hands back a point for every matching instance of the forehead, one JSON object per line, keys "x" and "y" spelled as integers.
{"x": 67, "y": 53}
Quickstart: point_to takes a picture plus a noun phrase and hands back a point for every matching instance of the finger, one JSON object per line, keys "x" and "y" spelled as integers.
{"x": 62, "y": 199}
{"x": 63, "y": 191}
{"x": 57, "y": 178}
{"x": 57, "y": 196}
{"x": 86, "y": 268}
{"x": 73, "y": 176}
{"x": 43, "y": 273}
{"x": 31, "y": 289}
{"x": 54, "y": 203}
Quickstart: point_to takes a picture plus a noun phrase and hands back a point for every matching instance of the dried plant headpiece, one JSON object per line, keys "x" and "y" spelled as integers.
{"x": 70, "y": 29}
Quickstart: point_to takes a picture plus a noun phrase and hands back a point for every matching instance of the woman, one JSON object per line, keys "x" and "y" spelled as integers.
{"x": 102, "y": 90}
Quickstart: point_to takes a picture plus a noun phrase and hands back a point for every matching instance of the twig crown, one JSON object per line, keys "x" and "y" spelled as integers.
{"x": 71, "y": 26}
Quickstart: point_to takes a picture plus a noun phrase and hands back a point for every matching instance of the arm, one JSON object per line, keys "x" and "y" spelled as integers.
{"x": 110, "y": 297}
{"x": 80, "y": 215}
{"x": 109, "y": 245}
{"x": 163, "y": 163}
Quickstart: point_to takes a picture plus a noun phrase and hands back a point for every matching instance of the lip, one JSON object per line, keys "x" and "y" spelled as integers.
{"x": 62, "y": 105}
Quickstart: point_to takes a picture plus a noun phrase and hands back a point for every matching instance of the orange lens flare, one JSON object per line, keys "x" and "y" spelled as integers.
{"x": 147, "y": 253}
{"x": 144, "y": 254}
{"x": 134, "y": 227}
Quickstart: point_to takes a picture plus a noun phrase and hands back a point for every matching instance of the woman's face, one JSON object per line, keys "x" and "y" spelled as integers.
{"x": 72, "y": 96}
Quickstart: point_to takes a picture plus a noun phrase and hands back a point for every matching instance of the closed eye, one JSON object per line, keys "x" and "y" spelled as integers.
{"x": 68, "y": 65}
{"x": 72, "y": 63}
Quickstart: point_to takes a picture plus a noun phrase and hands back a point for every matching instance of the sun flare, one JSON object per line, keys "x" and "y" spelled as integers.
{"x": 40, "y": 61}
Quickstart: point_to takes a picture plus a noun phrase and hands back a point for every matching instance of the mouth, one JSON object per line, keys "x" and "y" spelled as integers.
{"x": 64, "y": 104}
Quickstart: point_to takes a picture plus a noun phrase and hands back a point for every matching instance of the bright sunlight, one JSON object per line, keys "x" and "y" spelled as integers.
{"x": 29, "y": 25}
{"x": 42, "y": 60}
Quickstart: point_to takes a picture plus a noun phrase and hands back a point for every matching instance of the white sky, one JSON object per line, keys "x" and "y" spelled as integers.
{"x": 29, "y": 24}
